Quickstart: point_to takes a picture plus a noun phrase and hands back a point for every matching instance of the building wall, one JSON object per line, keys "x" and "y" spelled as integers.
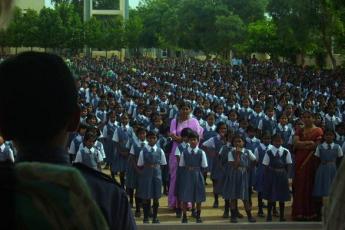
{"x": 30, "y": 4}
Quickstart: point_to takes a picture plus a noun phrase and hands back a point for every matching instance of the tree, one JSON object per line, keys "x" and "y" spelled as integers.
{"x": 132, "y": 31}
{"x": 51, "y": 29}
{"x": 15, "y": 30}
{"x": 248, "y": 10}
{"x": 73, "y": 32}
{"x": 230, "y": 32}
{"x": 93, "y": 33}
{"x": 30, "y": 28}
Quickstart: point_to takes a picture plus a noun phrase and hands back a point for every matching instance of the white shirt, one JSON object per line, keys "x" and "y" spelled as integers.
{"x": 2, "y": 147}
{"x": 325, "y": 146}
{"x": 149, "y": 148}
{"x": 196, "y": 151}
{"x": 250, "y": 154}
{"x": 79, "y": 158}
{"x": 275, "y": 151}
{"x": 105, "y": 129}
{"x": 209, "y": 128}
{"x": 138, "y": 142}
{"x": 210, "y": 142}
{"x": 116, "y": 135}
{"x": 72, "y": 147}
{"x": 264, "y": 147}
{"x": 177, "y": 151}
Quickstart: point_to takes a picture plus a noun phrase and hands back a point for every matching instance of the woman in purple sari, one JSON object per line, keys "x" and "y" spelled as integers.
{"x": 183, "y": 120}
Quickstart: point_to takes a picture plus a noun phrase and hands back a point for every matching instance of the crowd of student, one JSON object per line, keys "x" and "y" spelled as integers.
{"x": 169, "y": 124}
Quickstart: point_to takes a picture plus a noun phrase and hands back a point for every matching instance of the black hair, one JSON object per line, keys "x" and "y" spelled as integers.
{"x": 183, "y": 103}
{"x": 276, "y": 136}
{"x": 151, "y": 134}
{"x": 328, "y": 130}
{"x": 82, "y": 126}
{"x": 89, "y": 135}
{"x": 140, "y": 129}
{"x": 193, "y": 134}
{"x": 42, "y": 84}
{"x": 220, "y": 124}
{"x": 237, "y": 136}
{"x": 250, "y": 128}
{"x": 185, "y": 132}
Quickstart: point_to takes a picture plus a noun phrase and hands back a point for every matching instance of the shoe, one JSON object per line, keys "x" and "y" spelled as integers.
{"x": 269, "y": 218}
{"x": 233, "y": 218}
{"x": 137, "y": 214}
{"x": 261, "y": 214}
{"x": 184, "y": 220}
{"x": 155, "y": 221}
{"x": 239, "y": 215}
{"x": 226, "y": 215}
{"x": 215, "y": 204}
{"x": 251, "y": 219}
{"x": 178, "y": 213}
{"x": 282, "y": 219}
{"x": 194, "y": 215}
{"x": 146, "y": 221}
{"x": 275, "y": 213}
{"x": 198, "y": 220}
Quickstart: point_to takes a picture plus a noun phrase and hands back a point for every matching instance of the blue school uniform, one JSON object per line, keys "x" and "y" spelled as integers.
{"x": 276, "y": 183}
{"x": 331, "y": 121}
{"x": 236, "y": 181}
{"x": 150, "y": 178}
{"x": 89, "y": 157}
{"x": 101, "y": 115}
{"x": 209, "y": 131}
{"x": 122, "y": 140}
{"x": 180, "y": 170}
{"x": 234, "y": 125}
{"x": 252, "y": 144}
{"x": 75, "y": 144}
{"x": 260, "y": 168}
{"x": 326, "y": 171}
{"x": 255, "y": 119}
{"x": 145, "y": 121}
{"x": 221, "y": 118}
{"x": 192, "y": 184}
{"x": 286, "y": 132}
{"x": 99, "y": 146}
{"x": 214, "y": 144}
{"x": 131, "y": 173}
{"x": 269, "y": 125}
{"x": 225, "y": 167}
{"x": 6, "y": 154}
{"x": 108, "y": 133}
{"x": 244, "y": 113}
{"x": 339, "y": 139}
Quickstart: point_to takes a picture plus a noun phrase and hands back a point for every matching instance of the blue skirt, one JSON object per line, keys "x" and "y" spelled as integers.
{"x": 323, "y": 179}
{"x": 276, "y": 185}
{"x": 119, "y": 163}
{"x": 108, "y": 145}
{"x": 192, "y": 186}
{"x": 259, "y": 178}
{"x": 150, "y": 183}
{"x": 131, "y": 177}
{"x": 236, "y": 184}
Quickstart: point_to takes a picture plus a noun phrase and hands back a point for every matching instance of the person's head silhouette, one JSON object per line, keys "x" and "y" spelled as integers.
{"x": 38, "y": 101}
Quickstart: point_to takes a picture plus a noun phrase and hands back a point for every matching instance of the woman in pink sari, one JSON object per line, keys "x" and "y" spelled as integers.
{"x": 183, "y": 120}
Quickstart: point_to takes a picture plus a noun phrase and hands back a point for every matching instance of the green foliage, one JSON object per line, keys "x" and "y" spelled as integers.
{"x": 279, "y": 27}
